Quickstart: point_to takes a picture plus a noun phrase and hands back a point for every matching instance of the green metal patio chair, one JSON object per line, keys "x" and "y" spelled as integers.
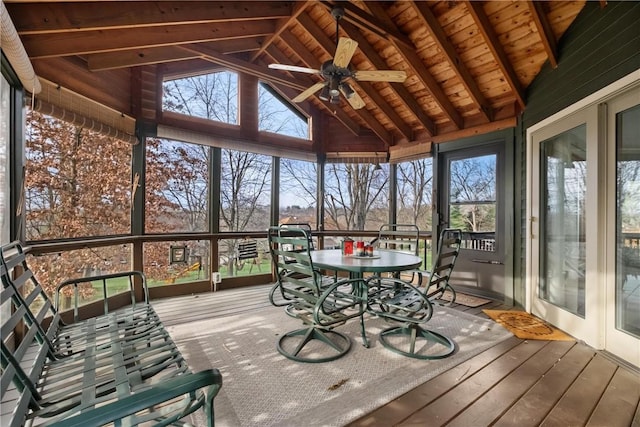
{"x": 320, "y": 302}
{"x": 438, "y": 277}
{"x": 399, "y": 238}
{"x": 401, "y": 301}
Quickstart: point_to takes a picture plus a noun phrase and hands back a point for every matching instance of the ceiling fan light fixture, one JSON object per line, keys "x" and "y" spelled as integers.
{"x": 334, "y": 87}
{"x": 335, "y": 99}
{"x": 325, "y": 94}
{"x": 347, "y": 90}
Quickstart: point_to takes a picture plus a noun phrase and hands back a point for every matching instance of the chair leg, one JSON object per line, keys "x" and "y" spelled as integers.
{"x": 414, "y": 332}
{"x": 339, "y": 345}
{"x": 435, "y": 296}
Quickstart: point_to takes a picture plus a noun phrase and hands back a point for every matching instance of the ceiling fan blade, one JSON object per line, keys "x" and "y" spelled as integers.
{"x": 294, "y": 68}
{"x": 355, "y": 100}
{"x": 381, "y": 76}
{"x": 310, "y": 91}
{"x": 345, "y": 50}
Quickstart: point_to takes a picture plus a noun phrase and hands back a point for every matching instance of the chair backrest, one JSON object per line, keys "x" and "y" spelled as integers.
{"x": 304, "y": 226}
{"x": 398, "y": 237}
{"x": 26, "y": 342}
{"x": 448, "y": 250}
{"x": 290, "y": 253}
{"x": 30, "y": 303}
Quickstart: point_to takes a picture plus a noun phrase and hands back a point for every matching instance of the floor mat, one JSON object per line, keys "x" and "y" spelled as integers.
{"x": 466, "y": 299}
{"x": 527, "y": 326}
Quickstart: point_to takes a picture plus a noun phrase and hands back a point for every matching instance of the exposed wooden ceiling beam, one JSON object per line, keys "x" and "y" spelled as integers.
{"x": 242, "y": 66}
{"x": 85, "y": 42}
{"x": 475, "y": 130}
{"x": 192, "y": 67}
{"x": 486, "y": 29}
{"x": 402, "y": 92}
{"x": 544, "y": 29}
{"x": 415, "y": 63}
{"x": 440, "y": 37}
{"x": 371, "y": 23}
{"x": 281, "y": 26}
{"x": 102, "y": 15}
{"x": 164, "y": 54}
{"x": 300, "y": 50}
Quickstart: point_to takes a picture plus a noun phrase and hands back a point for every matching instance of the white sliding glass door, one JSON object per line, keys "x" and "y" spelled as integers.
{"x": 583, "y": 274}
{"x": 623, "y": 256}
{"x": 564, "y": 223}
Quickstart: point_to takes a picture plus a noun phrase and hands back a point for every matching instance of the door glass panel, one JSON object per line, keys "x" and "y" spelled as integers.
{"x": 562, "y": 220}
{"x": 628, "y": 221}
{"x": 472, "y": 201}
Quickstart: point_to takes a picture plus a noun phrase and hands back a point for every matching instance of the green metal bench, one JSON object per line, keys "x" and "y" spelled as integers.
{"x": 118, "y": 368}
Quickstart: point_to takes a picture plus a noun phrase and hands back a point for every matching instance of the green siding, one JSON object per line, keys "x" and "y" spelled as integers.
{"x": 601, "y": 46}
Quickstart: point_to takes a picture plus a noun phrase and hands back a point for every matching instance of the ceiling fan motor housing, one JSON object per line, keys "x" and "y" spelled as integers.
{"x": 329, "y": 71}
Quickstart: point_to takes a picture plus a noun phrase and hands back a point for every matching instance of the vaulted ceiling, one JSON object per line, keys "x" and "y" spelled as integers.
{"x": 468, "y": 63}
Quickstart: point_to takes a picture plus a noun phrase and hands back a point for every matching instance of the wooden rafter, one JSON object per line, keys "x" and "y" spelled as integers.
{"x": 137, "y": 57}
{"x": 163, "y": 54}
{"x": 484, "y": 26}
{"x": 414, "y": 62}
{"x": 140, "y": 14}
{"x": 449, "y": 51}
{"x": 544, "y": 29}
{"x": 403, "y": 94}
{"x": 96, "y": 41}
{"x": 281, "y": 26}
{"x": 382, "y": 28}
{"x": 243, "y": 66}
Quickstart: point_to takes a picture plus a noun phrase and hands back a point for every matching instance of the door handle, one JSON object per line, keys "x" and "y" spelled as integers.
{"x": 488, "y": 261}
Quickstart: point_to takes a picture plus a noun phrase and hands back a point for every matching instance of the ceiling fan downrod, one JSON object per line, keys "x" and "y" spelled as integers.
{"x": 338, "y": 13}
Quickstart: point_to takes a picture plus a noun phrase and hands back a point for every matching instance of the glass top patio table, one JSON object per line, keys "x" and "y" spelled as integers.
{"x": 382, "y": 261}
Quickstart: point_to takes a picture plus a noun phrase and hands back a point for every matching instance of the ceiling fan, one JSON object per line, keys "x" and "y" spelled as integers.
{"x": 335, "y": 71}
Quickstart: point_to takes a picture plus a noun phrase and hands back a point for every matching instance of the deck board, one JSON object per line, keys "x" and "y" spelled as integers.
{"x": 498, "y": 399}
{"x": 399, "y": 409}
{"x": 619, "y": 402}
{"x": 514, "y": 383}
{"x": 533, "y": 407}
{"x": 585, "y": 392}
{"x": 452, "y": 403}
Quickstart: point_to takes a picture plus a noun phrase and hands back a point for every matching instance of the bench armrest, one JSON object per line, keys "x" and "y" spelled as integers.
{"x": 130, "y": 276}
{"x": 157, "y": 394}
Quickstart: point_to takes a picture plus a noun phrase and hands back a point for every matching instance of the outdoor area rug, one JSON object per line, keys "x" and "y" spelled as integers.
{"x": 527, "y": 326}
{"x": 263, "y": 388}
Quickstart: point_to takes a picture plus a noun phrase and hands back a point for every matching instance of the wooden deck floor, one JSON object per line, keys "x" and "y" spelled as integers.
{"x": 515, "y": 383}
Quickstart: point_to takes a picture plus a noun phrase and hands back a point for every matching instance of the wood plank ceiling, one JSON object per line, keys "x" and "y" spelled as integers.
{"x": 468, "y": 63}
